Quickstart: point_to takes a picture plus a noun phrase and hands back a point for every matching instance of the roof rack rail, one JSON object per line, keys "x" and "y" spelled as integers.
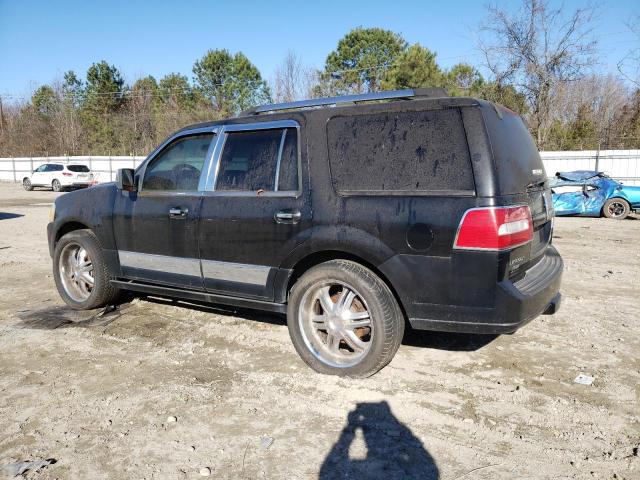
{"x": 407, "y": 94}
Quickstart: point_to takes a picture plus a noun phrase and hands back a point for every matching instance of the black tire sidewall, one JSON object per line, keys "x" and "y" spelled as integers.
{"x": 380, "y": 302}
{"x": 627, "y": 208}
{"x": 101, "y": 286}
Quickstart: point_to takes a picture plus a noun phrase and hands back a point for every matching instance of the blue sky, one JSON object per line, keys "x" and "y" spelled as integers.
{"x": 39, "y": 40}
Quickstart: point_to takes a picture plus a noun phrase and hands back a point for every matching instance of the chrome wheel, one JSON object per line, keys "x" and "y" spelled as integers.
{"x": 616, "y": 209}
{"x": 26, "y": 183}
{"x": 76, "y": 272}
{"x": 335, "y": 323}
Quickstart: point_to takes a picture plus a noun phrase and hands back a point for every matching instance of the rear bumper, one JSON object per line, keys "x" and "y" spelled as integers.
{"x": 516, "y": 303}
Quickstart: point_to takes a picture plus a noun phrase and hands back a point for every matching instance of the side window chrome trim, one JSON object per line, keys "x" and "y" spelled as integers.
{"x": 142, "y": 169}
{"x": 209, "y": 186}
{"x": 279, "y": 159}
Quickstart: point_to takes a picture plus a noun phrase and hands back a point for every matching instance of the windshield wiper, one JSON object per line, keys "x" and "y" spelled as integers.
{"x": 531, "y": 185}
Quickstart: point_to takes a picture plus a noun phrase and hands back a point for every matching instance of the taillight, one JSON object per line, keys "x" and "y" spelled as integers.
{"x": 67, "y": 174}
{"x": 494, "y": 228}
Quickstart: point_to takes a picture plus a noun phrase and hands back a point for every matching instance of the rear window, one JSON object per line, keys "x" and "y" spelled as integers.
{"x": 516, "y": 156}
{"x": 399, "y": 152}
{"x": 78, "y": 168}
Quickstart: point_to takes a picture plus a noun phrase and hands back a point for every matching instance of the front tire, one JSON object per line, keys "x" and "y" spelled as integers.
{"x": 56, "y": 186}
{"x": 616, "y": 208}
{"x": 26, "y": 184}
{"x": 344, "y": 320}
{"x": 80, "y": 271}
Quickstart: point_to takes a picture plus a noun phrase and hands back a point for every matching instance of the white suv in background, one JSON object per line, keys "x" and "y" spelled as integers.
{"x": 59, "y": 176}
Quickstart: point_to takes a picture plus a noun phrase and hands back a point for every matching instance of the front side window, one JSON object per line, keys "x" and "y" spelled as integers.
{"x": 259, "y": 160}
{"x": 41, "y": 168}
{"x": 178, "y": 166}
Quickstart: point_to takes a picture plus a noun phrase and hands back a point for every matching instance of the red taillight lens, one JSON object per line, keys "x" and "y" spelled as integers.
{"x": 494, "y": 228}
{"x": 67, "y": 174}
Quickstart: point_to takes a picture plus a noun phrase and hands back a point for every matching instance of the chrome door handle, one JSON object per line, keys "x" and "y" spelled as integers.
{"x": 178, "y": 212}
{"x": 288, "y": 216}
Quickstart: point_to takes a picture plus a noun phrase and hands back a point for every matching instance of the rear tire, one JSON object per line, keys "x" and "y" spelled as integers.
{"x": 26, "y": 184}
{"x": 81, "y": 273}
{"x": 344, "y": 320}
{"x": 56, "y": 186}
{"x": 616, "y": 208}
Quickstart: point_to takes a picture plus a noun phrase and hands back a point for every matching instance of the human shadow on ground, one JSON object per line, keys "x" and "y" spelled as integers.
{"x": 390, "y": 450}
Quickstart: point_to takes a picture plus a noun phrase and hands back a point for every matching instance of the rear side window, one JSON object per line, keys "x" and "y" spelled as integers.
{"x": 78, "y": 168}
{"x": 516, "y": 156}
{"x": 54, "y": 168}
{"x": 259, "y": 160}
{"x": 399, "y": 152}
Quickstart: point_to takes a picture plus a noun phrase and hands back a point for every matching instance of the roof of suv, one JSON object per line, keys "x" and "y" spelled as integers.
{"x": 373, "y": 105}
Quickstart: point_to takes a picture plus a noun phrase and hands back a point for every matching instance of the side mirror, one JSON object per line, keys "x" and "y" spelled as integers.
{"x": 125, "y": 180}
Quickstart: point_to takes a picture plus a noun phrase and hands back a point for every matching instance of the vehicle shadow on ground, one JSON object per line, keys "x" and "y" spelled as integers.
{"x": 8, "y": 216}
{"x": 458, "y": 342}
{"x": 244, "y": 313}
{"x": 58, "y": 316}
{"x": 390, "y": 449}
{"x": 414, "y": 338}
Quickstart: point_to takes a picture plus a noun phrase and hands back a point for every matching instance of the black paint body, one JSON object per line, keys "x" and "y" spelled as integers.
{"x": 406, "y": 238}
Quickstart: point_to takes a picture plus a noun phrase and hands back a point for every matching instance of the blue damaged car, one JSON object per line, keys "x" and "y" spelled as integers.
{"x": 592, "y": 194}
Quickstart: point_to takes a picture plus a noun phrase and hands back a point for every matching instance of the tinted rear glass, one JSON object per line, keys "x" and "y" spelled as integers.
{"x": 399, "y": 151}
{"x": 515, "y": 153}
{"x": 78, "y": 168}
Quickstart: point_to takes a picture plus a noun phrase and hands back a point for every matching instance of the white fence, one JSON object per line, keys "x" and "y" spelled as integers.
{"x": 623, "y": 165}
{"x": 103, "y": 167}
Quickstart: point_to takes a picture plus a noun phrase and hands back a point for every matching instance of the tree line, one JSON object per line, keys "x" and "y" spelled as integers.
{"x": 540, "y": 62}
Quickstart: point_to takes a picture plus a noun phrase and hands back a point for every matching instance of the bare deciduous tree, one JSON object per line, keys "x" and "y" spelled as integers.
{"x": 629, "y": 66}
{"x": 289, "y": 79}
{"x": 537, "y": 49}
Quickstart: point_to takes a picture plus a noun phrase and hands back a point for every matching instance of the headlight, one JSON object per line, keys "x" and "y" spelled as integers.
{"x": 52, "y": 212}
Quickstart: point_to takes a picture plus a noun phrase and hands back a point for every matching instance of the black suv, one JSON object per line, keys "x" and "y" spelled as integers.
{"x": 354, "y": 215}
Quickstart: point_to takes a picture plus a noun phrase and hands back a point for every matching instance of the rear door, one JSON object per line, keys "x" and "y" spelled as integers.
{"x": 156, "y": 227}
{"x": 521, "y": 178}
{"x": 253, "y": 210}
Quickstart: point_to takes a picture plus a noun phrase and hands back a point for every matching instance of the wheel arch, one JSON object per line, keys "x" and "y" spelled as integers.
{"x": 67, "y": 227}
{"x": 615, "y": 197}
{"x": 318, "y": 257}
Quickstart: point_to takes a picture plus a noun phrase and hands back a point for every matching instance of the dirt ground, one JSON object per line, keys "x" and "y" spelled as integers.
{"x": 161, "y": 390}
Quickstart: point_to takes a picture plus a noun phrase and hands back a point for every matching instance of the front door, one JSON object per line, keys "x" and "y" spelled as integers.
{"x": 39, "y": 176}
{"x": 156, "y": 227}
{"x": 254, "y": 211}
